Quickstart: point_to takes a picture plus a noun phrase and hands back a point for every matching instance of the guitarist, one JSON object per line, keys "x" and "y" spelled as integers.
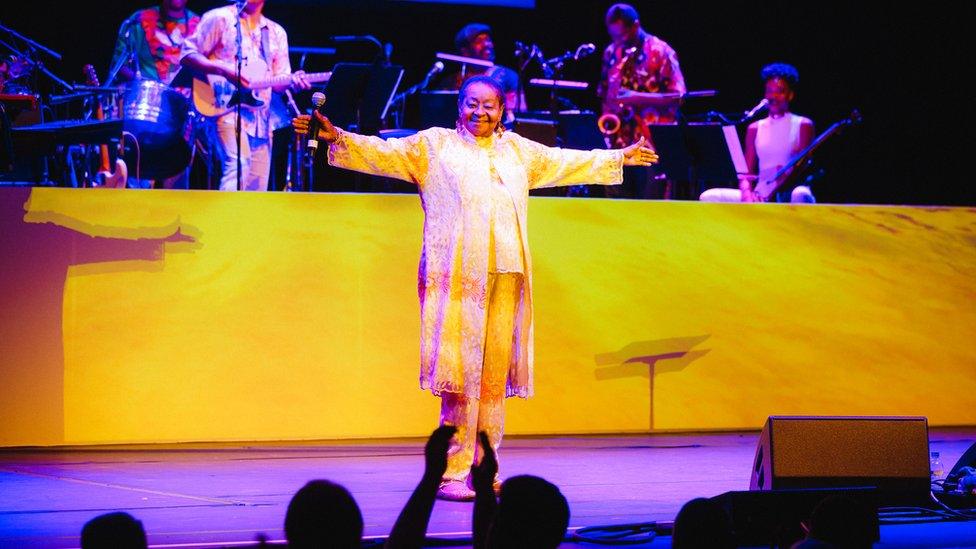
{"x": 211, "y": 50}
{"x": 151, "y": 38}
{"x": 772, "y": 141}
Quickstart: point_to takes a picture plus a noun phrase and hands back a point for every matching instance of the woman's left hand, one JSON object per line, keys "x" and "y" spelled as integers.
{"x": 639, "y": 155}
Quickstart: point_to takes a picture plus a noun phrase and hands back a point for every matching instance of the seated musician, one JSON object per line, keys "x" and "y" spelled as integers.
{"x": 474, "y": 40}
{"x": 772, "y": 141}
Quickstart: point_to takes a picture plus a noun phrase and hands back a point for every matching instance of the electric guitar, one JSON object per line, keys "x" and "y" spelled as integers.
{"x": 799, "y": 163}
{"x": 216, "y": 96}
{"x": 105, "y": 177}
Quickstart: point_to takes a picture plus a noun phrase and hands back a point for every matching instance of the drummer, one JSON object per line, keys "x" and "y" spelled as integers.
{"x": 149, "y": 45}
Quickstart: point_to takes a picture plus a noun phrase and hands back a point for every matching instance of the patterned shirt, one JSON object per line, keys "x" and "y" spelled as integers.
{"x": 156, "y": 41}
{"x": 653, "y": 68}
{"x": 216, "y": 39}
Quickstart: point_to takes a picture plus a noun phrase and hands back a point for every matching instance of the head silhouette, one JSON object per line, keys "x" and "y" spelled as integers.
{"x": 115, "y": 530}
{"x": 844, "y": 522}
{"x": 323, "y": 514}
{"x": 532, "y": 513}
{"x": 702, "y": 523}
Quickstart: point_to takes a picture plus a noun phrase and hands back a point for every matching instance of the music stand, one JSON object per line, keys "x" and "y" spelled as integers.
{"x": 359, "y": 95}
{"x": 699, "y": 154}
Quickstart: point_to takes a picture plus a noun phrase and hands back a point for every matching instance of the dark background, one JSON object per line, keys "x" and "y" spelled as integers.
{"x": 902, "y": 68}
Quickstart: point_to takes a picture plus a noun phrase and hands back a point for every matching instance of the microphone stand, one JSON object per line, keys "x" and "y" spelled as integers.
{"x": 400, "y": 100}
{"x": 530, "y": 53}
{"x": 237, "y": 108}
{"x": 129, "y": 56}
{"x": 30, "y": 43}
{"x": 33, "y": 46}
{"x": 293, "y": 170}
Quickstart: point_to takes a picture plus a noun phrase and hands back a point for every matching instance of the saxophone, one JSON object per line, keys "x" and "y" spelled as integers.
{"x": 609, "y": 122}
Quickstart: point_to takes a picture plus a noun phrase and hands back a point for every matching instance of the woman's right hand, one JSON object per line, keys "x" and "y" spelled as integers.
{"x": 327, "y": 132}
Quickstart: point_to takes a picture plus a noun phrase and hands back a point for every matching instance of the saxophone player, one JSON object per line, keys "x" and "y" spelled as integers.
{"x": 641, "y": 84}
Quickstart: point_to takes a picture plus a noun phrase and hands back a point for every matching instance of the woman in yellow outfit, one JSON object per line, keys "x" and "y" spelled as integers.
{"x": 475, "y": 277}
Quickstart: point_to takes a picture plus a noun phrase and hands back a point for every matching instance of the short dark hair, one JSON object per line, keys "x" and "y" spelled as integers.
{"x": 323, "y": 513}
{"x": 702, "y": 523}
{"x": 113, "y": 530}
{"x": 781, "y": 70}
{"x": 495, "y": 87}
{"x": 468, "y": 33}
{"x": 844, "y": 521}
{"x": 622, "y": 12}
{"x": 532, "y": 512}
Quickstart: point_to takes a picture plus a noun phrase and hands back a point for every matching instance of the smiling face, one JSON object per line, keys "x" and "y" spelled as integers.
{"x": 480, "y": 47}
{"x": 480, "y": 109}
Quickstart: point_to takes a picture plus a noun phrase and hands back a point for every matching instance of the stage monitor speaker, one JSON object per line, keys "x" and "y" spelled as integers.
{"x": 888, "y": 453}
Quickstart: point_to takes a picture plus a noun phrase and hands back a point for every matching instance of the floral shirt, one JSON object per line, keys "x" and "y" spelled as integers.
{"x": 156, "y": 41}
{"x": 653, "y": 68}
{"x": 216, "y": 39}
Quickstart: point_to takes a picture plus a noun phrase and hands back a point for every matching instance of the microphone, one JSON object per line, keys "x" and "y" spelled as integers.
{"x": 759, "y": 106}
{"x": 583, "y": 51}
{"x": 519, "y": 48}
{"x": 438, "y": 67}
{"x": 312, "y": 145}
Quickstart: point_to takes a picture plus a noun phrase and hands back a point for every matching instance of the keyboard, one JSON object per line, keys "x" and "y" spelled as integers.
{"x": 40, "y": 139}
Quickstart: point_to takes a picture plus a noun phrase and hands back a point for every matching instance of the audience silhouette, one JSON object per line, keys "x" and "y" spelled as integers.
{"x": 702, "y": 523}
{"x": 113, "y": 531}
{"x": 323, "y": 514}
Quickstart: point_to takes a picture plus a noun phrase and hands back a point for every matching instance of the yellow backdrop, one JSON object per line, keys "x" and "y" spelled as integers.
{"x": 200, "y": 316}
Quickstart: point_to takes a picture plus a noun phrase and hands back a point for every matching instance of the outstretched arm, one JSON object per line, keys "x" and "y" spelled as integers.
{"x": 553, "y": 167}
{"x": 410, "y": 529}
{"x": 404, "y": 158}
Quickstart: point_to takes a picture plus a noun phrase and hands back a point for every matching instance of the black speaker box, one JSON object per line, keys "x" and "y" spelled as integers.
{"x": 887, "y": 453}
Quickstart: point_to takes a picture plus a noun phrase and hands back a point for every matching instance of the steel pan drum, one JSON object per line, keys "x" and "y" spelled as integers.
{"x": 157, "y": 116}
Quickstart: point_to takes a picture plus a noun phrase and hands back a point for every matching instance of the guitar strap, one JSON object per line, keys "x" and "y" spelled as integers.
{"x": 266, "y": 46}
{"x": 279, "y": 116}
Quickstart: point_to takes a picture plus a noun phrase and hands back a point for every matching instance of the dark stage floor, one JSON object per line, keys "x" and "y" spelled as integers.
{"x": 197, "y": 495}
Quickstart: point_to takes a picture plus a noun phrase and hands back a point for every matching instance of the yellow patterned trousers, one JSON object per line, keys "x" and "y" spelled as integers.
{"x": 486, "y": 413}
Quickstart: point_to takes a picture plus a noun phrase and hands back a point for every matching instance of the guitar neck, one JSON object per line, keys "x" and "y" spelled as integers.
{"x": 285, "y": 80}
{"x": 820, "y": 139}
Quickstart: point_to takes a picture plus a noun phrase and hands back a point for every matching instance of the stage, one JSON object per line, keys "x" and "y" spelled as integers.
{"x": 198, "y": 495}
{"x": 145, "y": 334}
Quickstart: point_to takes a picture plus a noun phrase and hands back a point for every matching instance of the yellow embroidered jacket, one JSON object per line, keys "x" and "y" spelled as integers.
{"x": 453, "y": 171}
